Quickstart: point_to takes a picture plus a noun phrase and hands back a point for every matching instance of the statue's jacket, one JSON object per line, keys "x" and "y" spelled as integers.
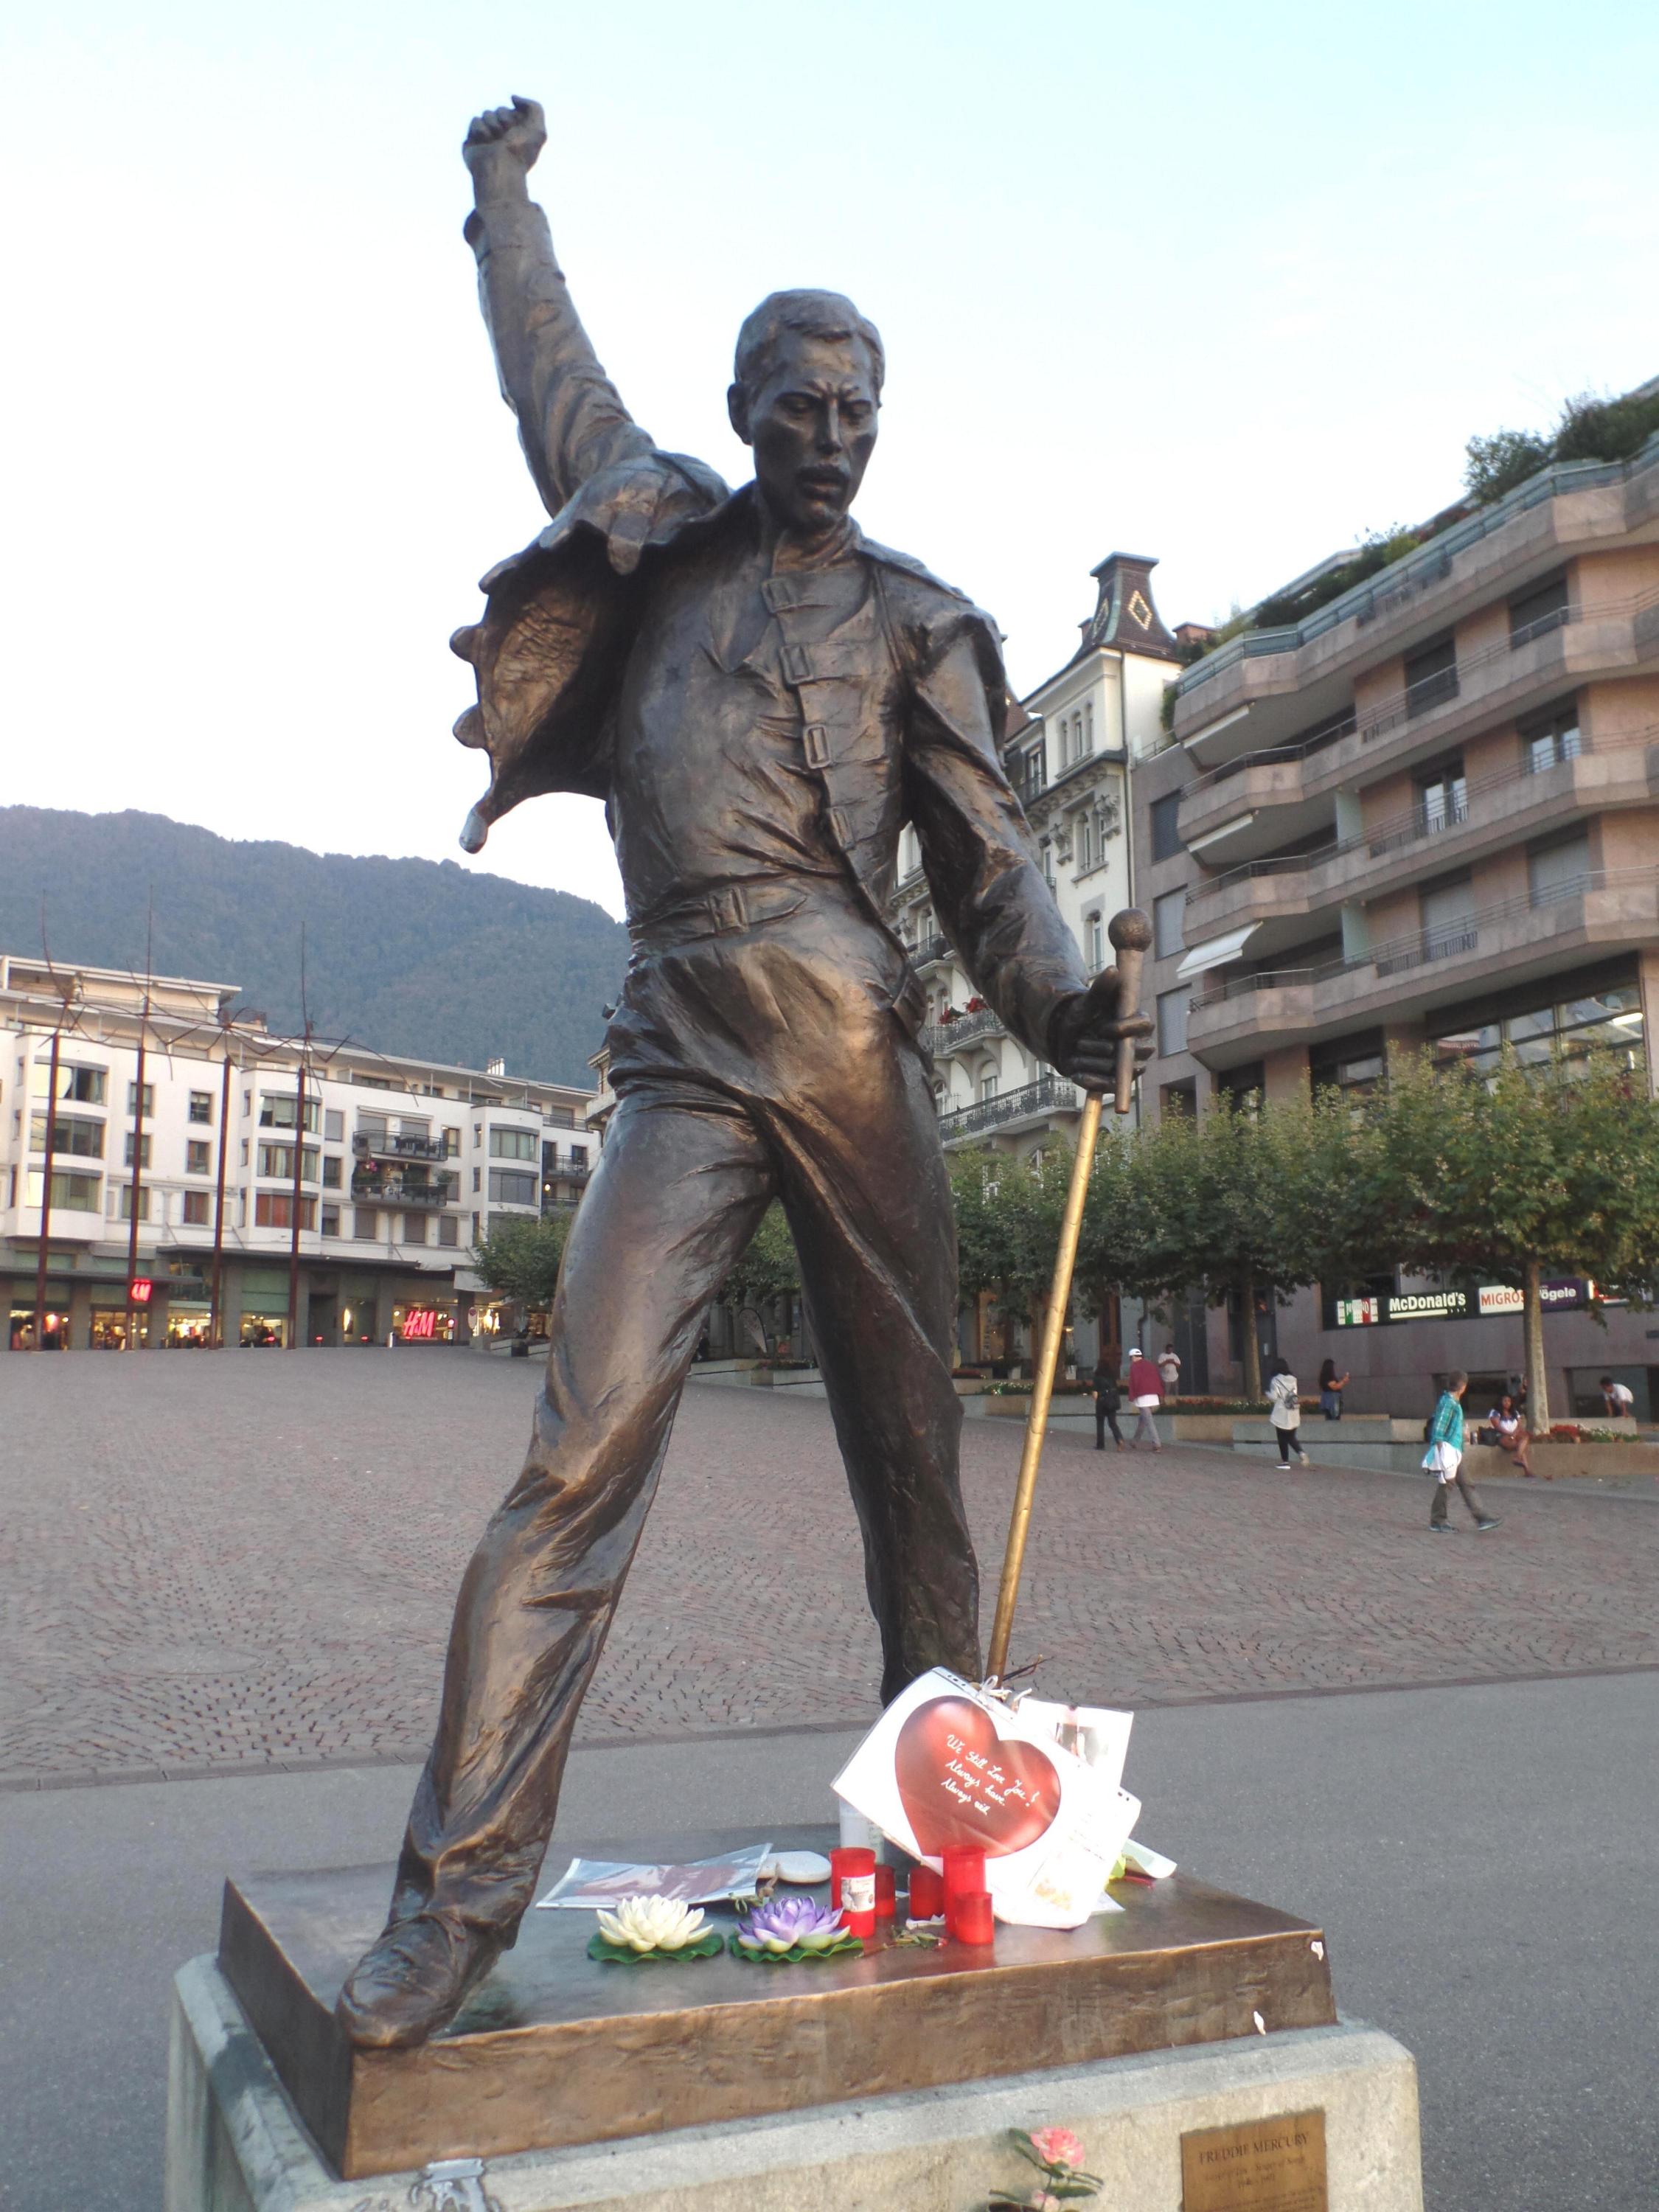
{"x": 551, "y": 650}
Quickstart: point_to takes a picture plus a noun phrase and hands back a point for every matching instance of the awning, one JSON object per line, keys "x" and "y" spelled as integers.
{"x": 1217, "y": 952}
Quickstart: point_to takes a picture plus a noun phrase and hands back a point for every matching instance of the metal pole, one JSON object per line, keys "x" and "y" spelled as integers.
{"x": 216, "y": 1313}
{"x": 45, "y": 1196}
{"x": 136, "y": 1183}
{"x": 1131, "y": 933}
{"x": 294, "y": 1231}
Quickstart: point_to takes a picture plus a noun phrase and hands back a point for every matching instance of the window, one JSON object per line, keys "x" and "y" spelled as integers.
{"x": 507, "y": 1188}
{"x": 1180, "y": 1098}
{"x": 1094, "y": 942}
{"x": 277, "y": 1163}
{"x": 193, "y": 1211}
{"x": 333, "y": 1126}
{"x": 511, "y": 1144}
{"x": 449, "y": 1230}
{"x": 279, "y": 1109}
{"x": 1172, "y": 1007}
{"x": 1166, "y": 836}
{"x": 198, "y": 1156}
{"x": 1086, "y": 854}
{"x": 1089, "y": 726}
{"x": 140, "y": 1143}
{"x": 1549, "y": 740}
{"x": 1540, "y": 610}
{"x": 80, "y": 1086}
{"x": 421, "y": 1130}
{"x": 201, "y": 1107}
{"x": 1048, "y": 854}
{"x": 477, "y": 1135}
{"x": 365, "y": 1223}
{"x": 416, "y": 1229}
{"x": 332, "y": 1165}
{"x": 125, "y": 1206}
{"x": 372, "y": 1131}
{"x": 477, "y": 1180}
{"x": 988, "y": 1086}
{"x": 150, "y": 1100}
{"x": 452, "y": 1143}
{"x": 1243, "y": 1087}
{"x": 579, "y": 1156}
{"x": 1430, "y": 675}
{"x": 70, "y": 1133}
{"x": 1448, "y": 912}
{"x": 330, "y": 1221}
{"x": 562, "y": 1117}
{"x": 477, "y": 1227}
{"x": 274, "y": 1209}
{"x": 1352, "y": 1063}
{"x": 1031, "y": 772}
{"x": 70, "y": 1194}
{"x": 1602, "y": 1018}
{"x": 1559, "y": 870}
{"x": 1443, "y": 797}
{"x": 1169, "y": 913}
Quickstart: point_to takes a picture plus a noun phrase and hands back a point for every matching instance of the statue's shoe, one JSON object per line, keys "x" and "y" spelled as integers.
{"x": 413, "y": 1979}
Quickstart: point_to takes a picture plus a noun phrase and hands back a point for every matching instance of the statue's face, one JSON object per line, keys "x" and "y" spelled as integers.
{"x": 812, "y": 426}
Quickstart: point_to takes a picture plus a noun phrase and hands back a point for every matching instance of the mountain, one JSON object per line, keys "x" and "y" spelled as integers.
{"x": 420, "y": 957}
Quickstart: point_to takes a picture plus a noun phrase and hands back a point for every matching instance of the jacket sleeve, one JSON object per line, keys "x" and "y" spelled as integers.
{"x": 988, "y": 890}
{"x": 572, "y": 423}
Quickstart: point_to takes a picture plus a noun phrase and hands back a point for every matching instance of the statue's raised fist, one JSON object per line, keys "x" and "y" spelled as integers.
{"x": 519, "y": 131}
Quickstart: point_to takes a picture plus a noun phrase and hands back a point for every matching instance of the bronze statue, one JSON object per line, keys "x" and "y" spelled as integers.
{"x": 762, "y": 697}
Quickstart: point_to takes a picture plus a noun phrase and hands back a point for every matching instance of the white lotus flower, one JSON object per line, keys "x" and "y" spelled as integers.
{"x": 653, "y": 1924}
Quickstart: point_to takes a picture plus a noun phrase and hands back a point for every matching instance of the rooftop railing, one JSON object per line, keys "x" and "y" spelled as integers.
{"x": 1405, "y": 578}
{"x": 1432, "y": 691}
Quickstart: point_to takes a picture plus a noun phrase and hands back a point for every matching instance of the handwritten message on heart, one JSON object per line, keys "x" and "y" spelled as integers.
{"x": 960, "y": 1783}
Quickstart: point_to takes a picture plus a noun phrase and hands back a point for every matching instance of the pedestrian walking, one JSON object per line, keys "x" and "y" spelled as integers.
{"x": 1146, "y": 1395}
{"x": 1108, "y": 1400}
{"x": 1444, "y": 1459}
{"x": 1331, "y": 1387}
{"x": 1506, "y": 1429}
{"x": 1168, "y": 1370}
{"x": 1284, "y": 1412}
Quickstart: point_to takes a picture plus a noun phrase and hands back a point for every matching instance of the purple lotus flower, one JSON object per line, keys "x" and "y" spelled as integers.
{"x": 783, "y": 1923}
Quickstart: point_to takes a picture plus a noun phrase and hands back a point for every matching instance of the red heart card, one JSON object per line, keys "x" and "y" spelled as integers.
{"x": 960, "y": 1783}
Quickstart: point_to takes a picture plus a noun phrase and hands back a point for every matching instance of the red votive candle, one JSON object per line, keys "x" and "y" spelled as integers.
{"x": 971, "y": 1916}
{"x": 849, "y": 1858}
{"x": 964, "y": 1868}
{"x": 886, "y": 1894}
{"x": 927, "y": 1894}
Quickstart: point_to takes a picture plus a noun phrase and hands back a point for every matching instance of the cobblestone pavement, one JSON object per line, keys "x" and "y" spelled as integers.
{"x": 219, "y": 1562}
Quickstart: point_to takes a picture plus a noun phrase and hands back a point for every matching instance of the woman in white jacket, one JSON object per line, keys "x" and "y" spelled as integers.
{"x": 1284, "y": 1412}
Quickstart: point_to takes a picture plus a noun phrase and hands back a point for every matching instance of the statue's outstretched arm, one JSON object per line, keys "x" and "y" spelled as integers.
{"x": 572, "y": 422}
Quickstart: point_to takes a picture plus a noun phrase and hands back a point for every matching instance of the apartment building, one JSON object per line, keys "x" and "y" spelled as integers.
{"x": 1425, "y": 814}
{"x": 403, "y": 1165}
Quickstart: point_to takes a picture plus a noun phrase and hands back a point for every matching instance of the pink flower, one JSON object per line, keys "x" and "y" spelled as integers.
{"x": 1057, "y": 2147}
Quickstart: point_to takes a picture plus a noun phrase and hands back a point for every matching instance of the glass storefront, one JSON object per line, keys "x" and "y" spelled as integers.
{"x": 189, "y": 1327}
{"x": 263, "y": 1331}
{"x": 1575, "y": 1031}
{"x": 109, "y": 1328}
{"x": 428, "y": 1322}
{"x": 21, "y": 1333}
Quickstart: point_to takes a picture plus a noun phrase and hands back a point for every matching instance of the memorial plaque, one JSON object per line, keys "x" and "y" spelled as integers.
{"x": 1261, "y": 2166}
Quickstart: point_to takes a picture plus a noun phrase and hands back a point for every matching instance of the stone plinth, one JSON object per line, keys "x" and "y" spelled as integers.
{"x": 236, "y": 2144}
{"x": 555, "y": 2049}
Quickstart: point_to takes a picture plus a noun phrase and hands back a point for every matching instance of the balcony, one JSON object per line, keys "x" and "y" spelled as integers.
{"x": 1253, "y": 690}
{"x": 398, "y": 1148}
{"x": 394, "y": 1190}
{"x": 940, "y": 1038}
{"x": 1012, "y": 1110}
{"x": 928, "y": 952}
{"x": 1497, "y": 810}
{"x": 1247, "y": 805}
{"x": 1491, "y": 947}
{"x": 567, "y": 1171}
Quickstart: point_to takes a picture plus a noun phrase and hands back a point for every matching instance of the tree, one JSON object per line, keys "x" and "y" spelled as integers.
{"x": 1227, "y": 1203}
{"x": 520, "y": 1259}
{"x": 1510, "y": 1178}
{"x": 1008, "y": 1212}
{"x": 766, "y": 1269}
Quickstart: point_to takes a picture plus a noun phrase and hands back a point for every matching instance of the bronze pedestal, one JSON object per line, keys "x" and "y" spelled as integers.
{"x": 556, "y": 2049}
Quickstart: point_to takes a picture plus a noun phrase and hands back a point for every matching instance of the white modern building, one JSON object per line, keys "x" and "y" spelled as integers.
{"x": 402, "y": 1166}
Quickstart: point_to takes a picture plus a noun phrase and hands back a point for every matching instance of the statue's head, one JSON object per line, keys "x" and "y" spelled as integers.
{"x": 806, "y": 396}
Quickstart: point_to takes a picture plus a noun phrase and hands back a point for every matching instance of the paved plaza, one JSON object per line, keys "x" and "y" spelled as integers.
{"x": 217, "y": 1563}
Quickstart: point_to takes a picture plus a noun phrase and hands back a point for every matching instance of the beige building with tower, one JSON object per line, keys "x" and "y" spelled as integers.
{"x": 1427, "y": 813}
{"x": 403, "y": 1165}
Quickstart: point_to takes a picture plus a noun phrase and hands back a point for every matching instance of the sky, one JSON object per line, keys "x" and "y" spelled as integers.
{"x": 1231, "y": 287}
